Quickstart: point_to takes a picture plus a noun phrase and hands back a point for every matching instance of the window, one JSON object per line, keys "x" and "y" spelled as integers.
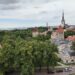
{"x": 72, "y": 60}
{"x": 66, "y": 61}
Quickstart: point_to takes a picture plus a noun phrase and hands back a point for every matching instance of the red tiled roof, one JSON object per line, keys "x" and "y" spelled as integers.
{"x": 60, "y": 29}
{"x": 70, "y": 38}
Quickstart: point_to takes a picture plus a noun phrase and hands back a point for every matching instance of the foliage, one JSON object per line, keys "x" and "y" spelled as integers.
{"x": 42, "y": 29}
{"x": 69, "y": 33}
{"x": 21, "y": 52}
{"x": 42, "y": 38}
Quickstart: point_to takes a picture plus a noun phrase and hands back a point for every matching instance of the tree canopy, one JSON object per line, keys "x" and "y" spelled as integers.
{"x": 21, "y": 52}
{"x": 69, "y": 33}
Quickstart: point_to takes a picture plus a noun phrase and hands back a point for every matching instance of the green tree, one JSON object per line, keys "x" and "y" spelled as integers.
{"x": 69, "y": 33}
{"x": 50, "y": 55}
{"x": 20, "y": 52}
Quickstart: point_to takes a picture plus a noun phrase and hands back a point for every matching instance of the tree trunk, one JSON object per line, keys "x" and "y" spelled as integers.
{"x": 39, "y": 68}
{"x": 48, "y": 71}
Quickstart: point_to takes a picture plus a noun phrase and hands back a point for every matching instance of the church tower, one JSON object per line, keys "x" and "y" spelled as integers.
{"x": 63, "y": 20}
{"x": 48, "y": 27}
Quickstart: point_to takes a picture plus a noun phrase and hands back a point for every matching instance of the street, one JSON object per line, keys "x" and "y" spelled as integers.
{"x": 62, "y": 73}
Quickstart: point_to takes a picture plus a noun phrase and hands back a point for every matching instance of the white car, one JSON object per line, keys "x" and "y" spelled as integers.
{"x": 67, "y": 69}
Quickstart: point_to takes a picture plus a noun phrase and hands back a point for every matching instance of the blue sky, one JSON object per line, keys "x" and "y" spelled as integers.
{"x": 32, "y": 13}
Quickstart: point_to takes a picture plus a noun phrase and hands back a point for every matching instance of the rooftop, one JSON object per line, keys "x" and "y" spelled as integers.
{"x": 35, "y": 29}
{"x": 72, "y": 53}
{"x": 60, "y": 29}
{"x": 71, "y": 38}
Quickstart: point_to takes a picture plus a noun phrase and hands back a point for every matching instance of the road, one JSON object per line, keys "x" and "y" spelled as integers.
{"x": 62, "y": 73}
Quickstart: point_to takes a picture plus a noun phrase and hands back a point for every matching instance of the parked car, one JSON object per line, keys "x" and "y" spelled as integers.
{"x": 50, "y": 71}
{"x": 67, "y": 69}
{"x": 59, "y": 70}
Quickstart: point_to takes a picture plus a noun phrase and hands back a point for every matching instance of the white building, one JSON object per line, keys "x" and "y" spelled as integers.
{"x": 65, "y": 53}
{"x": 57, "y": 35}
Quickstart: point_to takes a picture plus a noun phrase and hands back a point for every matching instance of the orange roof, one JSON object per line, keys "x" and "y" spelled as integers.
{"x": 70, "y": 38}
{"x": 60, "y": 29}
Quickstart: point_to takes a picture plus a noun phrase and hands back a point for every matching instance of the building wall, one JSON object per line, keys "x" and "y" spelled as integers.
{"x": 64, "y": 55}
{"x": 53, "y": 35}
{"x": 69, "y": 59}
{"x": 60, "y": 36}
{"x": 35, "y": 34}
{"x": 56, "y": 35}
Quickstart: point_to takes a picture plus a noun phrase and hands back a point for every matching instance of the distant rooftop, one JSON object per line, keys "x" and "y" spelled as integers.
{"x": 60, "y": 29}
{"x": 71, "y": 38}
{"x": 72, "y": 53}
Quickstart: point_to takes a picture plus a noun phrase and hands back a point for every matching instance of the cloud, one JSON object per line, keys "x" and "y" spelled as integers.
{"x": 10, "y": 7}
{"x": 69, "y": 10}
{"x": 8, "y": 1}
{"x": 28, "y": 8}
{"x": 37, "y": 10}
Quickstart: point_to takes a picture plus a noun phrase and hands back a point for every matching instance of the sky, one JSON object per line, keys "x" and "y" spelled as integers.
{"x": 33, "y": 13}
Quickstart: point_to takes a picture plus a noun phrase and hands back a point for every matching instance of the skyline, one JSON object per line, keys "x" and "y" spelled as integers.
{"x": 29, "y": 13}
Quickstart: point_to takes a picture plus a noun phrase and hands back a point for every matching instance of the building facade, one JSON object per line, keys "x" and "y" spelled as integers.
{"x": 58, "y": 34}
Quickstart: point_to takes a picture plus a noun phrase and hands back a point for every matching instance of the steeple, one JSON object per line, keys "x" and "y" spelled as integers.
{"x": 48, "y": 27}
{"x": 63, "y": 20}
{"x": 47, "y": 24}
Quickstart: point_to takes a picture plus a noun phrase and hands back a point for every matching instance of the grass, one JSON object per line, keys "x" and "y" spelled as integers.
{"x": 72, "y": 74}
{"x": 70, "y": 64}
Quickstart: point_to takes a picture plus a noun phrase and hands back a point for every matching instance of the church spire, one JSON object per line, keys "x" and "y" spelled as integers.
{"x": 63, "y": 20}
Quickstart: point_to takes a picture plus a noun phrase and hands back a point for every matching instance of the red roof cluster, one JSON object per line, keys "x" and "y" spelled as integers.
{"x": 70, "y": 38}
{"x": 60, "y": 29}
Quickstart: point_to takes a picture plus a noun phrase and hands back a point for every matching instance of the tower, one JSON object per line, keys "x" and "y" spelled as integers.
{"x": 63, "y": 20}
{"x": 35, "y": 32}
{"x": 48, "y": 27}
{"x": 58, "y": 34}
